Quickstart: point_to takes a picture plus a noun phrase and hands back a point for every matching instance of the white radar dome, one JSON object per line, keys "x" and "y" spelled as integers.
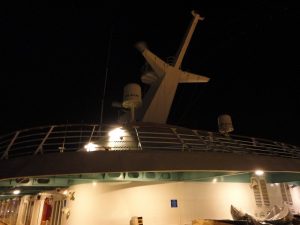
{"x": 132, "y": 97}
{"x": 225, "y": 124}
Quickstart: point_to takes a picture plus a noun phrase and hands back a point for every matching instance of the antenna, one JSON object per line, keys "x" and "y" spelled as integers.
{"x": 187, "y": 39}
{"x": 106, "y": 74}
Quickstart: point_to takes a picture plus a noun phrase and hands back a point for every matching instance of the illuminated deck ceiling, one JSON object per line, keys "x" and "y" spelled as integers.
{"x": 33, "y": 185}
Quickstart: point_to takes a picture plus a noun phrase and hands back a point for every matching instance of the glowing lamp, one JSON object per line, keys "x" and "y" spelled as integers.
{"x": 116, "y": 134}
{"x": 259, "y": 172}
{"x": 90, "y": 147}
{"x": 16, "y": 192}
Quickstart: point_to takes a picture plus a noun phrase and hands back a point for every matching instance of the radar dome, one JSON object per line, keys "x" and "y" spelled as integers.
{"x": 225, "y": 124}
{"x": 132, "y": 97}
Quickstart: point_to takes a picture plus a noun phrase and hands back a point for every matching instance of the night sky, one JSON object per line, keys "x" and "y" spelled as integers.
{"x": 54, "y": 58}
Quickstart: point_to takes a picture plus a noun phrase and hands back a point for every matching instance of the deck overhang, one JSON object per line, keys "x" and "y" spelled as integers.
{"x": 126, "y": 161}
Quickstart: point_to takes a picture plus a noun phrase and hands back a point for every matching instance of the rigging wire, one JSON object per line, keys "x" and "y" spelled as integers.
{"x": 106, "y": 75}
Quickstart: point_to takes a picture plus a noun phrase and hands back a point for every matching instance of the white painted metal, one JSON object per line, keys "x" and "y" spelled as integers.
{"x": 187, "y": 40}
{"x": 117, "y": 203}
{"x": 162, "y": 91}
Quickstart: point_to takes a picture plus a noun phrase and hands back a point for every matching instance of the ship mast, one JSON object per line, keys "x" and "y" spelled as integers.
{"x": 186, "y": 42}
{"x": 158, "y": 100}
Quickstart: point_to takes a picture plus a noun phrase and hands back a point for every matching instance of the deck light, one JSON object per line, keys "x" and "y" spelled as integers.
{"x": 116, "y": 134}
{"x": 16, "y": 191}
{"x": 259, "y": 172}
{"x": 90, "y": 147}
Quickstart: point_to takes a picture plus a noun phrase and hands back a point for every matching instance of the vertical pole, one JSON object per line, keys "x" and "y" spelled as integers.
{"x": 132, "y": 114}
{"x": 40, "y": 147}
{"x": 5, "y": 154}
{"x": 187, "y": 40}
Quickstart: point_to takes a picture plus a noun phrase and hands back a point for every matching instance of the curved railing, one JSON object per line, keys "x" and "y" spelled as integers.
{"x": 75, "y": 137}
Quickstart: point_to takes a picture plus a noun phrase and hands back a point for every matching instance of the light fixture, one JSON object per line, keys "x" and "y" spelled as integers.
{"x": 214, "y": 180}
{"x": 16, "y": 192}
{"x": 94, "y": 183}
{"x": 259, "y": 172}
{"x": 90, "y": 147}
{"x": 116, "y": 134}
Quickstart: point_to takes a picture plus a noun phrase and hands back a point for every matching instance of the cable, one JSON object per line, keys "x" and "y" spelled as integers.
{"x": 106, "y": 74}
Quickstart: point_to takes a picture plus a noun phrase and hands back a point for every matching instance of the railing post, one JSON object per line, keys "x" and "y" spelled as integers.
{"x": 138, "y": 138}
{"x": 184, "y": 145}
{"x": 5, "y": 154}
{"x": 208, "y": 145}
{"x": 40, "y": 148}
{"x": 94, "y": 127}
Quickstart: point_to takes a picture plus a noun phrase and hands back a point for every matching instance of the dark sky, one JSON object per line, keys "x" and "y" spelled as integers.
{"x": 53, "y": 62}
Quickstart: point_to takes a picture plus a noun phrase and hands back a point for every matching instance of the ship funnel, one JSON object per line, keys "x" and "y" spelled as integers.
{"x": 132, "y": 98}
{"x": 225, "y": 124}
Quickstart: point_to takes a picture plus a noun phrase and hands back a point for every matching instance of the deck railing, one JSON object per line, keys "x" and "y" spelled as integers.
{"x": 72, "y": 138}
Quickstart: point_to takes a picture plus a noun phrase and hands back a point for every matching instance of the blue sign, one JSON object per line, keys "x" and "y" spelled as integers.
{"x": 174, "y": 203}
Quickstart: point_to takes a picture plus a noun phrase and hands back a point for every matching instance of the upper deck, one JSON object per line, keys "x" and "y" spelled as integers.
{"x": 60, "y": 149}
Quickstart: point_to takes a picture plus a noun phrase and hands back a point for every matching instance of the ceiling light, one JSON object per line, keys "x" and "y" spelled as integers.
{"x": 259, "y": 172}
{"x": 16, "y": 192}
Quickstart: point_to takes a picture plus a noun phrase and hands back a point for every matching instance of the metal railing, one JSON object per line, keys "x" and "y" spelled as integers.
{"x": 71, "y": 138}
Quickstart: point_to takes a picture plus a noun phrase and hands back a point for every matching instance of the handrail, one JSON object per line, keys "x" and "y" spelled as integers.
{"x": 142, "y": 137}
